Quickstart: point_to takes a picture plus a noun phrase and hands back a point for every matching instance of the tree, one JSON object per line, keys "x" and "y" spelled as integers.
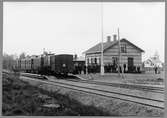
{"x": 8, "y": 61}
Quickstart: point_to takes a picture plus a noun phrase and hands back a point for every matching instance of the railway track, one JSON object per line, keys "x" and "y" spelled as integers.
{"x": 121, "y": 85}
{"x": 125, "y": 97}
{"x": 74, "y": 78}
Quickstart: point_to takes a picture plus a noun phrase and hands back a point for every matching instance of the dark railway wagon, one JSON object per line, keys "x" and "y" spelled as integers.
{"x": 61, "y": 64}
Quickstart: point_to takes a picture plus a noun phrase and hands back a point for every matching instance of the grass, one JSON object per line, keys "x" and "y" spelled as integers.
{"x": 22, "y": 99}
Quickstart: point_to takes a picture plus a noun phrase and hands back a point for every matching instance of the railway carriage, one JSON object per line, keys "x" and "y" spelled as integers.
{"x": 23, "y": 64}
{"x": 35, "y": 64}
{"x": 28, "y": 66}
{"x": 45, "y": 64}
{"x": 17, "y": 65}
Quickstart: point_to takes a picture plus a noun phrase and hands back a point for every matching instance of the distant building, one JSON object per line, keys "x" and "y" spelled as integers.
{"x": 153, "y": 62}
{"x": 131, "y": 55}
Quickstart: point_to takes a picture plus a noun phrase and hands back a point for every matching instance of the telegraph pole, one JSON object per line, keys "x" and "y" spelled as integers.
{"x": 102, "y": 62}
{"x": 119, "y": 53}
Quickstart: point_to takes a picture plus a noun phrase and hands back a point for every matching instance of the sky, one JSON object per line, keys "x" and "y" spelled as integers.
{"x": 68, "y": 27}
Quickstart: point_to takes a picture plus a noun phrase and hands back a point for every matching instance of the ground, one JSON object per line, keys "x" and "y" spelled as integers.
{"x": 20, "y": 98}
{"x": 144, "y": 78}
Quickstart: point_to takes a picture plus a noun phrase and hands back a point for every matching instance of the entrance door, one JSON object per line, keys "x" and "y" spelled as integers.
{"x": 114, "y": 65}
{"x": 130, "y": 64}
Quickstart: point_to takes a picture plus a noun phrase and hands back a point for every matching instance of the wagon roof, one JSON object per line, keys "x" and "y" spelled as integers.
{"x": 106, "y": 45}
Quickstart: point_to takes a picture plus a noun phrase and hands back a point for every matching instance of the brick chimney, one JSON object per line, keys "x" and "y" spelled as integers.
{"x": 114, "y": 37}
{"x": 108, "y": 38}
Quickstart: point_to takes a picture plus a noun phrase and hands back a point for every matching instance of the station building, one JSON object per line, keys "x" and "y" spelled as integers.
{"x": 131, "y": 55}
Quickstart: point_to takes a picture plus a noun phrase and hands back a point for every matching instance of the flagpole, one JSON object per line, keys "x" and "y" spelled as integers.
{"x": 102, "y": 63}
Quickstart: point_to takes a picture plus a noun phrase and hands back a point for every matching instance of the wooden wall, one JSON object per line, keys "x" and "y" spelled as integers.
{"x": 113, "y": 52}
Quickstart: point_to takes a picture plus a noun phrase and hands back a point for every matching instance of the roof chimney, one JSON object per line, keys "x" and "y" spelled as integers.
{"x": 108, "y": 38}
{"x": 115, "y": 37}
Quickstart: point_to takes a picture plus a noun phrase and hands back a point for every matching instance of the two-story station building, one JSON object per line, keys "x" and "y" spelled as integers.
{"x": 131, "y": 55}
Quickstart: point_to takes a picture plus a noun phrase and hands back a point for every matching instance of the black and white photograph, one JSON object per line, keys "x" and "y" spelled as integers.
{"x": 83, "y": 59}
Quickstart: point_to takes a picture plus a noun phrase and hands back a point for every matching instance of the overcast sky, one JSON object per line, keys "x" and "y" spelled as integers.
{"x": 75, "y": 27}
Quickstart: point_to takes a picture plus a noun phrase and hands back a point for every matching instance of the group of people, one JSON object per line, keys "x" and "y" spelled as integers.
{"x": 108, "y": 68}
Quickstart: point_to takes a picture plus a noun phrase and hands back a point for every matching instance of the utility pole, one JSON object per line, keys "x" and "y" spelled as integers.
{"x": 119, "y": 53}
{"x": 102, "y": 62}
{"x": 86, "y": 60}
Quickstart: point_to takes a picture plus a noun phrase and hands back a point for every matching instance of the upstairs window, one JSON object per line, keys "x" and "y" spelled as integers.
{"x": 123, "y": 48}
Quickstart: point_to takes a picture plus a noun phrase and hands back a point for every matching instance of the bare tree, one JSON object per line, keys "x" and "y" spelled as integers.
{"x": 8, "y": 61}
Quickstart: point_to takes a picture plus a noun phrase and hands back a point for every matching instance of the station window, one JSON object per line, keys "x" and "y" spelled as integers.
{"x": 95, "y": 60}
{"x": 91, "y": 60}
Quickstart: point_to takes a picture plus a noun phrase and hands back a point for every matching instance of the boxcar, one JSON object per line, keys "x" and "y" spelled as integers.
{"x": 61, "y": 64}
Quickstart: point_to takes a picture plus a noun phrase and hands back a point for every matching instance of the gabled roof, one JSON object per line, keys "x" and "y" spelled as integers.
{"x": 153, "y": 62}
{"x": 106, "y": 45}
